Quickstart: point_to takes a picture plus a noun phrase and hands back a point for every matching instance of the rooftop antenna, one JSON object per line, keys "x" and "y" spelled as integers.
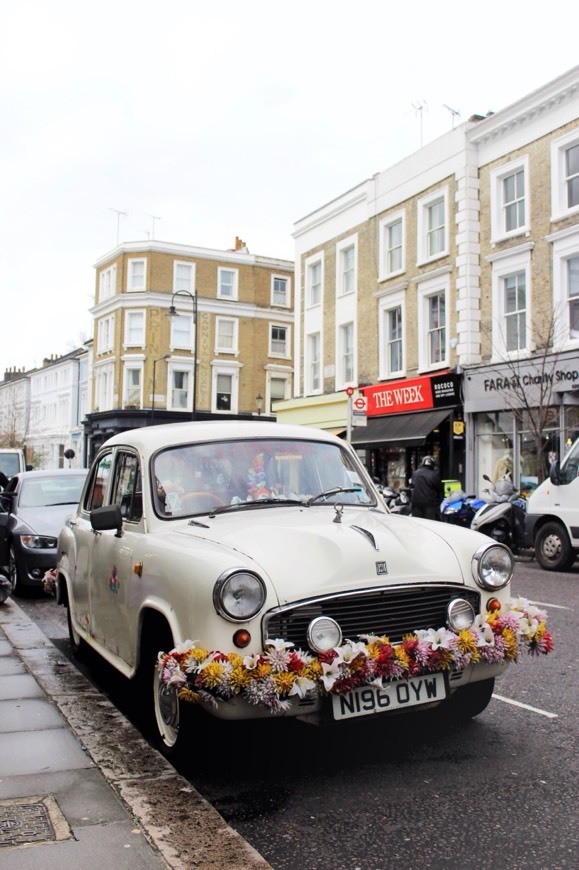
{"x": 419, "y": 107}
{"x": 118, "y": 213}
{"x": 453, "y": 112}
{"x": 154, "y": 218}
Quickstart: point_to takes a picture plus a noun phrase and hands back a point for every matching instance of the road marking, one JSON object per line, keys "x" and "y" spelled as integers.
{"x": 526, "y": 707}
{"x": 545, "y": 604}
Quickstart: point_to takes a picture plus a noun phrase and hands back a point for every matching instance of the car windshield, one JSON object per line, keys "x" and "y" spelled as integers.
{"x": 47, "y": 491}
{"x": 195, "y": 479}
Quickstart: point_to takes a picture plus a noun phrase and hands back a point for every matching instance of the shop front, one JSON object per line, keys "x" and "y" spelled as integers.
{"x": 410, "y": 419}
{"x": 520, "y": 419}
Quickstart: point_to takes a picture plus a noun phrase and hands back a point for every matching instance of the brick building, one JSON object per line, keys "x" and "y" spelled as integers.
{"x": 226, "y": 350}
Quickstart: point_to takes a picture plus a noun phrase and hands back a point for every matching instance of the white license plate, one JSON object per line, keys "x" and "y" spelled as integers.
{"x": 404, "y": 693}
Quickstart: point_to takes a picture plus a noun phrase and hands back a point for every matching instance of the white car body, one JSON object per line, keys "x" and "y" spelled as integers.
{"x": 161, "y": 569}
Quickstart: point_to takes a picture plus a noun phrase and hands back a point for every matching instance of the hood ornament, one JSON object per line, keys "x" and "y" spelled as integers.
{"x": 339, "y": 508}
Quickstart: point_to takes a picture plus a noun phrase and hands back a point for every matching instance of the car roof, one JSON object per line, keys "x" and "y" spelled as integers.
{"x": 150, "y": 438}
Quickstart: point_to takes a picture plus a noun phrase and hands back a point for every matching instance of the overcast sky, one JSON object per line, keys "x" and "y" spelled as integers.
{"x": 206, "y": 121}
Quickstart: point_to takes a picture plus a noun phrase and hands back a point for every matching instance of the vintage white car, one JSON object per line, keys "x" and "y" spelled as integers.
{"x": 254, "y": 569}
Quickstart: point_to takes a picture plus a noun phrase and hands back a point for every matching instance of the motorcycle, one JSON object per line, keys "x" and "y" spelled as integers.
{"x": 503, "y": 517}
{"x": 6, "y": 588}
{"x": 397, "y": 500}
{"x": 459, "y": 508}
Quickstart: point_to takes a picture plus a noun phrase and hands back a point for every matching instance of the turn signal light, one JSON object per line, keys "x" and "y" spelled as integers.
{"x": 493, "y": 604}
{"x": 242, "y": 638}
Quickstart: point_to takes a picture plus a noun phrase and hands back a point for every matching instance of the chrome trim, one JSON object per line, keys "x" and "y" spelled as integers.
{"x": 219, "y": 584}
{"x": 370, "y": 537}
{"x": 476, "y": 560}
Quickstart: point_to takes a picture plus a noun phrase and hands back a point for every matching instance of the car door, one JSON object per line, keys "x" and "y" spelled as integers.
{"x": 115, "y": 588}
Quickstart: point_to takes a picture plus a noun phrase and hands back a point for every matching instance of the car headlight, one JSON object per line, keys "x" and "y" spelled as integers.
{"x": 492, "y": 566}
{"x": 38, "y": 542}
{"x": 238, "y": 595}
{"x": 460, "y": 614}
{"x": 324, "y": 634}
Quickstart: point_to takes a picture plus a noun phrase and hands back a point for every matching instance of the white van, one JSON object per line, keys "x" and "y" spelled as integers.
{"x": 553, "y": 515}
{"x": 12, "y": 461}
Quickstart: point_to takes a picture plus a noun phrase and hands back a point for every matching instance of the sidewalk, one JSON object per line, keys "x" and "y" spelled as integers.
{"x": 79, "y": 786}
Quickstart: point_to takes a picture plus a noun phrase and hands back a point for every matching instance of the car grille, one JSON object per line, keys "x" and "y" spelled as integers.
{"x": 393, "y": 612}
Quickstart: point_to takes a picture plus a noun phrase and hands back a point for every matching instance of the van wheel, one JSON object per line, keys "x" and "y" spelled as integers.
{"x": 553, "y": 549}
{"x": 468, "y": 702}
{"x": 77, "y": 644}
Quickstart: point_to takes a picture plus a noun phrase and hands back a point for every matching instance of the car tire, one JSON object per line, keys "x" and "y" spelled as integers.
{"x": 15, "y": 575}
{"x": 553, "y": 549}
{"x": 77, "y": 644}
{"x": 166, "y": 717}
{"x": 470, "y": 701}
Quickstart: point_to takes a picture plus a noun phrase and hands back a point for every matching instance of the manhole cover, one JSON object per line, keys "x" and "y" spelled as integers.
{"x": 31, "y": 821}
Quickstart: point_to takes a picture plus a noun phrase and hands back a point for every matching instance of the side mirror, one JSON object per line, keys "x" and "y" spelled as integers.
{"x": 555, "y": 474}
{"x": 105, "y": 519}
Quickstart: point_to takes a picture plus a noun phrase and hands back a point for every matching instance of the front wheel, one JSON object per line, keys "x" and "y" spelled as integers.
{"x": 77, "y": 644}
{"x": 553, "y": 549}
{"x": 468, "y": 702}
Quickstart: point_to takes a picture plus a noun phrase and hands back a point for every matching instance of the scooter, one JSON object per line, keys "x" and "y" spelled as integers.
{"x": 503, "y": 517}
{"x": 397, "y": 500}
{"x": 459, "y": 508}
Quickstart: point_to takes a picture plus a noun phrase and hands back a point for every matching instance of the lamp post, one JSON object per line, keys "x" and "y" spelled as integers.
{"x": 172, "y": 312}
{"x": 155, "y": 361}
{"x": 259, "y": 404}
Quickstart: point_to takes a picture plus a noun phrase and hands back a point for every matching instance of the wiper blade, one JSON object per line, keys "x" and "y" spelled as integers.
{"x": 327, "y": 493}
{"x": 258, "y": 502}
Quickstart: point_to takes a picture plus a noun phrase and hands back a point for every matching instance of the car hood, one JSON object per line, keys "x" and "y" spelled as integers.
{"x": 304, "y": 551}
{"x": 46, "y": 521}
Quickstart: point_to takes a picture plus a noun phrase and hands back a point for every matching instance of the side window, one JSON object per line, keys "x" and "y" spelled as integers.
{"x": 95, "y": 494}
{"x": 127, "y": 488}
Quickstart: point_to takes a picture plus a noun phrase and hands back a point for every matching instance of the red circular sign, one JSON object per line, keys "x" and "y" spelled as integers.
{"x": 349, "y": 391}
{"x": 360, "y": 403}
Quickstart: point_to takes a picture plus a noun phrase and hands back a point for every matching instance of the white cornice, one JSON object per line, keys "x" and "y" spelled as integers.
{"x": 153, "y": 246}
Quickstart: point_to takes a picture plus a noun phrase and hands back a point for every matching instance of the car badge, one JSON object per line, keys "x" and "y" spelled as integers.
{"x": 381, "y": 568}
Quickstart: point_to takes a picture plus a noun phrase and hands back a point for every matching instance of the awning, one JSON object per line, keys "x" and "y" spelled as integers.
{"x": 408, "y": 430}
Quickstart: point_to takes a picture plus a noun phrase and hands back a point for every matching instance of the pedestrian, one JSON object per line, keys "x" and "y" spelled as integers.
{"x": 426, "y": 490}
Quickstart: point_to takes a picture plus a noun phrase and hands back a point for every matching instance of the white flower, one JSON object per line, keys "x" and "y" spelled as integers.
{"x": 349, "y": 651}
{"x": 331, "y": 674}
{"x": 184, "y": 647}
{"x": 370, "y": 638}
{"x": 279, "y": 644}
{"x": 484, "y": 635}
{"x": 438, "y": 637}
{"x": 251, "y": 662}
{"x": 301, "y": 686}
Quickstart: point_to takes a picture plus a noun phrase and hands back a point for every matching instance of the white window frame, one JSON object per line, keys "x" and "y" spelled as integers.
{"x": 347, "y": 286}
{"x": 186, "y": 322}
{"x": 342, "y": 379}
{"x": 498, "y": 206}
{"x": 108, "y": 283}
{"x": 559, "y": 147}
{"x": 436, "y": 286}
{"x": 423, "y": 207}
{"x": 385, "y": 226}
{"x": 233, "y": 372}
{"x": 565, "y": 248}
{"x": 133, "y": 314}
{"x": 287, "y": 301}
{"x": 106, "y": 334}
{"x": 177, "y": 285}
{"x": 104, "y": 376}
{"x": 173, "y": 368}
{"x": 309, "y": 265}
{"x": 285, "y": 353}
{"x": 388, "y": 304}
{"x": 310, "y": 364}
{"x": 287, "y": 381}
{"x": 223, "y": 348}
{"x": 132, "y": 366}
{"x": 141, "y": 286}
{"x": 503, "y": 266}
{"x": 234, "y": 286}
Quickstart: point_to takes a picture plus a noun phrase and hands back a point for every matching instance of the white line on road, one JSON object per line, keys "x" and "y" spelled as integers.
{"x": 545, "y": 604}
{"x": 526, "y": 707}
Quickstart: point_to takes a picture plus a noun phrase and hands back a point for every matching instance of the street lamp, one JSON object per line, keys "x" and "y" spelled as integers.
{"x": 172, "y": 312}
{"x": 155, "y": 361}
{"x": 259, "y": 404}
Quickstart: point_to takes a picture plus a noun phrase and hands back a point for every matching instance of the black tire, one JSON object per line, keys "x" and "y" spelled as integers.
{"x": 77, "y": 644}
{"x": 166, "y": 718}
{"x": 470, "y": 701}
{"x": 553, "y": 549}
{"x": 15, "y": 575}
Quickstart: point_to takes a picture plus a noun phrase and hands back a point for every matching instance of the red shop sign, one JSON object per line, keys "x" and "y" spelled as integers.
{"x": 412, "y": 394}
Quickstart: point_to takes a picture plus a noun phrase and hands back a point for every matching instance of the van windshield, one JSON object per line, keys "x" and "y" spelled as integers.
{"x": 10, "y": 464}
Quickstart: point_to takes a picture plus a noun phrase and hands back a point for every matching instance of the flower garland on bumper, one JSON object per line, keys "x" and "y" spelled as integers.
{"x": 270, "y": 679}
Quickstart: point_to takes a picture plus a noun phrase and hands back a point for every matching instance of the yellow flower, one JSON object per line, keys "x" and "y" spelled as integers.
{"x": 211, "y": 675}
{"x": 313, "y": 670}
{"x": 402, "y": 656}
{"x": 262, "y": 671}
{"x": 186, "y": 694}
{"x": 466, "y": 642}
{"x": 284, "y": 681}
{"x": 239, "y": 678}
{"x": 235, "y": 659}
{"x": 512, "y": 647}
{"x": 197, "y": 654}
